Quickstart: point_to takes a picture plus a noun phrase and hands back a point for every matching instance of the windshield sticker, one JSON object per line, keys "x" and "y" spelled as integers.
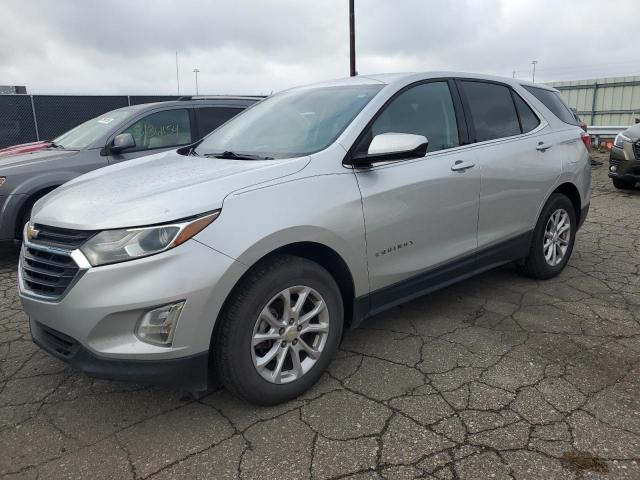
{"x": 105, "y": 120}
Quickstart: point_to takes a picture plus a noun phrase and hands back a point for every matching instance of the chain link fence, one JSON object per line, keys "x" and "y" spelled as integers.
{"x": 29, "y": 118}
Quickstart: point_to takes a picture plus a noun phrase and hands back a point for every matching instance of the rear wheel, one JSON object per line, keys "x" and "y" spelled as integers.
{"x": 622, "y": 184}
{"x": 553, "y": 239}
{"x": 279, "y": 330}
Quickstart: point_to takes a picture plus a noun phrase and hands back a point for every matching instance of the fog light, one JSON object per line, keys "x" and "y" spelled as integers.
{"x": 613, "y": 168}
{"x": 158, "y": 325}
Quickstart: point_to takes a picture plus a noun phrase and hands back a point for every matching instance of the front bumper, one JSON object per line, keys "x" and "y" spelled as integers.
{"x": 627, "y": 177}
{"x": 186, "y": 373}
{"x": 624, "y": 163}
{"x": 99, "y": 315}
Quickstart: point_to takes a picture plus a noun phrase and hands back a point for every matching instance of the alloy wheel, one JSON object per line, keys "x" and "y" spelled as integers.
{"x": 290, "y": 334}
{"x": 557, "y": 235}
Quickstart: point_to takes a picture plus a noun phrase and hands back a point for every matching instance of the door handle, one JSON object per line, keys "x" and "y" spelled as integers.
{"x": 461, "y": 166}
{"x": 543, "y": 147}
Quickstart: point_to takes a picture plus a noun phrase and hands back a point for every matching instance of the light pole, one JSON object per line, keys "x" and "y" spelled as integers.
{"x": 195, "y": 70}
{"x": 352, "y": 40}
{"x": 533, "y": 75}
{"x": 177, "y": 73}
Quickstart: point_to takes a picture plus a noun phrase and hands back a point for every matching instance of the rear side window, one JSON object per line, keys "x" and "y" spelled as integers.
{"x": 553, "y": 101}
{"x": 528, "y": 119}
{"x": 492, "y": 110}
{"x": 210, "y": 118}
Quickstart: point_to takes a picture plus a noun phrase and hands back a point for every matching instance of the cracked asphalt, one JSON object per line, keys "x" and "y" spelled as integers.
{"x": 496, "y": 377}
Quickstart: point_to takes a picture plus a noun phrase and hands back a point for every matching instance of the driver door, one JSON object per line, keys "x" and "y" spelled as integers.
{"x": 420, "y": 214}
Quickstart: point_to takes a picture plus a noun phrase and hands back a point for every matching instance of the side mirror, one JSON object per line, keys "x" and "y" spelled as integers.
{"x": 394, "y": 146}
{"x": 122, "y": 142}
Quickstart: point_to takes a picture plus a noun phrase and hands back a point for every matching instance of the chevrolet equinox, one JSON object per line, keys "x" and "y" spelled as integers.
{"x": 245, "y": 255}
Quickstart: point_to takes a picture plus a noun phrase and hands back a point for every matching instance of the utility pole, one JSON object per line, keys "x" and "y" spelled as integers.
{"x": 533, "y": 76}
{"x": 195, "y": 70}
{"x": 352, "y": 40}
{"x": 177, "y": 73}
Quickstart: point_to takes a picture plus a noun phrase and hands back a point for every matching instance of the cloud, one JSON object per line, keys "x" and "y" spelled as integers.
{"x": 245, "y": 46}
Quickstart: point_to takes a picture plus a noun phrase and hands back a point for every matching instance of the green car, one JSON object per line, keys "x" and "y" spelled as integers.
{"x": 624, "y": 160}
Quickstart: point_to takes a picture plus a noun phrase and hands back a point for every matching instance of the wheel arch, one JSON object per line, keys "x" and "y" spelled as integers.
{"x": 329, "y": 259}
{"x": 323, "y": 255}
{"x": 571, "y": 191}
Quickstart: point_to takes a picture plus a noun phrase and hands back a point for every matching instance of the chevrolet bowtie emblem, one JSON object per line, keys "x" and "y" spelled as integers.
{"x": 32, "y": 232}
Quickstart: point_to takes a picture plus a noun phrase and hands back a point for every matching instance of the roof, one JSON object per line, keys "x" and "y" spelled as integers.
{"x": 407, "y": 77}
{"x": 205, "y": 100}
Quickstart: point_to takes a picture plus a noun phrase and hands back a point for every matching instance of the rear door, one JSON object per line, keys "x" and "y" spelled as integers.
{"x": 515, "y": 151}
{"x": 156, "y": 132}
{"x": 208, "y": 118}
{"x": 419, "y": 213}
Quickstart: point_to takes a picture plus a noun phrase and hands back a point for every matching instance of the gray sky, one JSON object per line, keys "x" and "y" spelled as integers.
{"x": 259, "y": 46}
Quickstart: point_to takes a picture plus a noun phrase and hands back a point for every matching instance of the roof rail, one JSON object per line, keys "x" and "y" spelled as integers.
{"x": 221, "y": 97}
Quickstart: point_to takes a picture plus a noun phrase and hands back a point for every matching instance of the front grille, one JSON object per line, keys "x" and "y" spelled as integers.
{"x": 55, "y": 341}
{"x": 64, "y": 238}
{"x": 47, "y": 273}
{"x": 636, "y": 149}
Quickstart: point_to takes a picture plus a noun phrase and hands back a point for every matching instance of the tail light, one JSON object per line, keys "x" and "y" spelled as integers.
{"x": 586, "y": 139}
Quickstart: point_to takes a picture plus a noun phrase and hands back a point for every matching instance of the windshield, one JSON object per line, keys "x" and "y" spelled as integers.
{"x": 86, "y": 133}
{"x": 290, "y": 124}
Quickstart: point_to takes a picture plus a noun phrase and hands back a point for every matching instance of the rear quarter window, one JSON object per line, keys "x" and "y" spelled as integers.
{"x": 553, "y": 101}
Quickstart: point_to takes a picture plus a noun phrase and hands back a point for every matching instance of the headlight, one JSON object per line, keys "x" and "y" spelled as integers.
{"x": 620, "y": 139}
{"x": 112, "y": 246}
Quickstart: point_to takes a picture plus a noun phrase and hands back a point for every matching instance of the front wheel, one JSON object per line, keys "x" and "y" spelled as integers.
{"x": 22, "y": 221}
{"x": 279, "y": 330}
{"x": 553, "y": 239}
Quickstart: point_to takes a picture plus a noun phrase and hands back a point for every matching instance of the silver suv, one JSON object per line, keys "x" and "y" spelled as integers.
{"x": 248, "y": 253}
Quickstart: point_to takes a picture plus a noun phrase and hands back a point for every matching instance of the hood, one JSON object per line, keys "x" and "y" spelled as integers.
{"x": 31, "y": 160}
{"x": 633, "y": 132}
{"x": 155, "y": 189}
{"x": 23, "y": 148}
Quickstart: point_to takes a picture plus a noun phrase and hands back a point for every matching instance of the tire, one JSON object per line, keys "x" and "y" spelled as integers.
{"x": 22, "y": 221}
{"x": 536, "y": 265}
{"x": 622, "y": 184}
{"x": 259, "y": 296}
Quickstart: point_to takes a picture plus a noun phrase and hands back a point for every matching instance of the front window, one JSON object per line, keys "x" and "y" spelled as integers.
{"x": 165, "y": 129}
{"x": 85, "y": 134}
{"x": 290, "y": 124}
{"x": 425, "y": 109}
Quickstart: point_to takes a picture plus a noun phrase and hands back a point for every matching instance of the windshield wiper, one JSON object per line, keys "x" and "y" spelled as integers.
{"x": 237, "y": 156}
